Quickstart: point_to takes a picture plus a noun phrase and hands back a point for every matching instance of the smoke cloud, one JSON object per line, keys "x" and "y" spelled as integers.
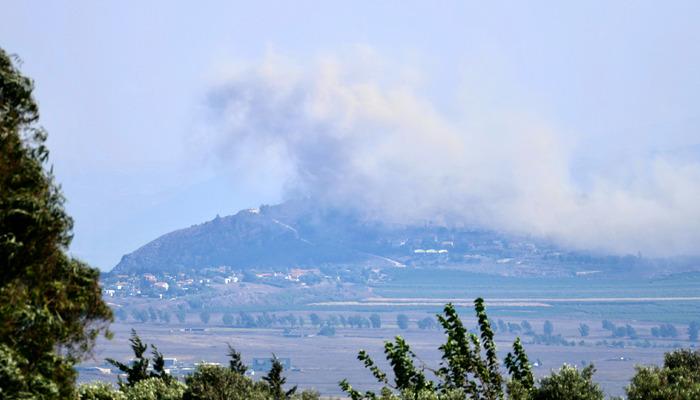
{"x": 365, "y": 136}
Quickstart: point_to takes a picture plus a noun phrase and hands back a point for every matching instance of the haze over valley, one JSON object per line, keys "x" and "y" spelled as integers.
{"x": 499, "y": 199}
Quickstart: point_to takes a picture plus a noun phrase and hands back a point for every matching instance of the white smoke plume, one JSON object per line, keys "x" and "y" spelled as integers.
{"x": 365, "y": 137}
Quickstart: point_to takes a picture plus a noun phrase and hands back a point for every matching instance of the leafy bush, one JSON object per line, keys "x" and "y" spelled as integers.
{"x": 99, "y": 391}
{"x": 569, "y": 383}
{"x": 678, "y": 379}
{"x": 470, "y": 367}
{"x": 213, "y": 382}
{"x": 155, "y": 389}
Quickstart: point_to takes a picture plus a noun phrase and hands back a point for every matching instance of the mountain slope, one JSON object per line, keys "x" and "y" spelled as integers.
{"x": 300, "y": 234}
{"x": 248, "y": 239}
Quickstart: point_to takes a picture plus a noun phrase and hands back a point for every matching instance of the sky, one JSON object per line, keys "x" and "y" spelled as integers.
{"x": 574, "y": 121}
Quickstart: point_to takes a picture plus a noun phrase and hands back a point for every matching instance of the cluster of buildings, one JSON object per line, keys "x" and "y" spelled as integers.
{"x": 164, "y": 285}
{"x": 174, "y": 367}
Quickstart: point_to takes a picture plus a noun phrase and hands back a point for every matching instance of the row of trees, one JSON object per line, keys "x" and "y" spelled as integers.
{"x": 265, "y": 320}
{"x": 620, "y": 331}
{"x": 661, "y": 331}
{"x": 151, "y": 314}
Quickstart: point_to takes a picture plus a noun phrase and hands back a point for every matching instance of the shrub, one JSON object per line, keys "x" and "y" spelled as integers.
{"x": 213, "y": 382}
{"x": 99, "y": 391}
{"x": 155, "y": 389}
{"x": 569, "y": 383}
{"x": 678, "y": 379}
{"x": 470, "y": 366}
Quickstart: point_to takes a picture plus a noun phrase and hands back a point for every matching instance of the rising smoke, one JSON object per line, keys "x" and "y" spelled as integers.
{"x": 361, "y": 138}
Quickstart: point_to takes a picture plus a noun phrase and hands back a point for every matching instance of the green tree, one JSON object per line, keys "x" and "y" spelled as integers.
{"x": 138, "y": 369}
{"x": 181, "y": 315}
{"x": 427, "y": 323}
{"x": 521, "y": 382}
{"x": 608, "y": 325}
{"x": 326, "y": 330}
{"x": 204, "y": 316}
{"x": 402, "y": 321}
{"x": 152, "y": 314}
{"x": 212, "y": 382}
{"x": 99, "y": 391}
{"x": 584, "y": 330}
{"x": 548, "y": 328}
{"x": 569, "y": 383}
{"x": 470, "y": 367}
{"x": 155, "y": 389}
{"x": 275, "y": 381}
{"x": 315, "y": 319}
{"x": 235, "y": 362}
{"x": 51, "y": 307}
{"x": 375, "y": 320}
{"x": 678, "y": 379}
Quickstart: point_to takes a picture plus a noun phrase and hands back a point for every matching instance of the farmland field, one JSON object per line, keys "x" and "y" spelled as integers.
{"x": 321, "y": 362}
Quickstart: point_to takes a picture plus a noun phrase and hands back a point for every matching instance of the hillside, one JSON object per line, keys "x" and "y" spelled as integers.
{"x": 299, "y": 234}
{"x": 251, "y": 238}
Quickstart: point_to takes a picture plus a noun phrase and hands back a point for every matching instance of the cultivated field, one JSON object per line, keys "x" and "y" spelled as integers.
{"x": 320, "y": 362}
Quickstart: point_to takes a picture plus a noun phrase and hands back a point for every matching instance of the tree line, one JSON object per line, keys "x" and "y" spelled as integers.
{"x": 244, "y": 319}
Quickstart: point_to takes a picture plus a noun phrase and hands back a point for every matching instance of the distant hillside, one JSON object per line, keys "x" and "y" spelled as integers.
{"x": 296, "y": 233}
{"x": 299, "y": 233}
{"x": 265, "y": 238}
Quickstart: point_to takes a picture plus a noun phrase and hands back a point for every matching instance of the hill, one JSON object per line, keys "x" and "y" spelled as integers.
{"x": 300, "y": 233}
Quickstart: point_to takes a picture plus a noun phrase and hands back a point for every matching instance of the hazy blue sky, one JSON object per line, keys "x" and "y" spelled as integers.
{"x": 558, "y": 110}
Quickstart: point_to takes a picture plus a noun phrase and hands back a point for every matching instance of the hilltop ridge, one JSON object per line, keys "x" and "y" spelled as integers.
{"x": 301, "y": 233}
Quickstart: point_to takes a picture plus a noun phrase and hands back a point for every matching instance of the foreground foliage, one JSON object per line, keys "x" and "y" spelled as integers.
{"x": 470, "y": 369}
{"x": 51, "y": 308}
{"x": 51, "y": 313}
{"x": 138, "y": 370}
{"x": 208, "y": 382}
{"x": 678, "y": 379}
{"x": 146, "y": 389}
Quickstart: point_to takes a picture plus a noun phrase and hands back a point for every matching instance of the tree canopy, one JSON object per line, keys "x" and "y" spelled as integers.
{"x": 51, "y": 307}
